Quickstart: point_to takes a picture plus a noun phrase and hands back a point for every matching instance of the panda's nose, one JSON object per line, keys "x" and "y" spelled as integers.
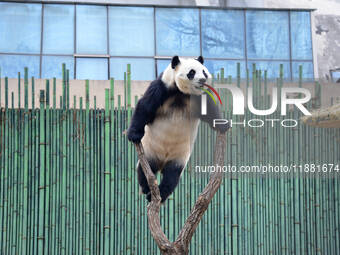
{"x": 202, "y": 80}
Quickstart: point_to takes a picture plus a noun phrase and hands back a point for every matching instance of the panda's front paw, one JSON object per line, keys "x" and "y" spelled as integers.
{"x": 134, "y": 135}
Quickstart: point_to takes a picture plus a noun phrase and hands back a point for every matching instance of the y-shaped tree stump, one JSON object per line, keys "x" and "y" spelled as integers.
{"x": 181, "y": 245}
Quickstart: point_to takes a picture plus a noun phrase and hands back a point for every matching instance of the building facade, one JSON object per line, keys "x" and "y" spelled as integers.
{"x": 97, "y": 39}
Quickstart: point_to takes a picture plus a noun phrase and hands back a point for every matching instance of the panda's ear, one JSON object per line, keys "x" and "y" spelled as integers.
{"x": 200, "y": 59}
{"x": 174, "y": 62}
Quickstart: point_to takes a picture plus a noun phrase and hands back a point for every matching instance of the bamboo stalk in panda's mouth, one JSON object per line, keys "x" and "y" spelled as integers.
{"x": 213, "y": 90}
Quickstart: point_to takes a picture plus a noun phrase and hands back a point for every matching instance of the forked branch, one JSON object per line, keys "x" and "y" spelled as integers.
{"x": 181, "y": 245}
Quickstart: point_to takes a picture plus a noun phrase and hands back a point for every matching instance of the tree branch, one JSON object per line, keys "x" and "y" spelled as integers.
{"x": 181, "y": 245}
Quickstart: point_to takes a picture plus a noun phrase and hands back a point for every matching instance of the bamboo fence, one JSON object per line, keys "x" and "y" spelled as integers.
{"x": 68, "y": 183}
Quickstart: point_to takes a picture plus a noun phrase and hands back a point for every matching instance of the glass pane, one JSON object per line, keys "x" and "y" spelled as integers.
{"x": 131, "y": 31}
{"x": 267, "y": 34}
{"x": 223, "y": 34}
{"x": 336, "y": 76}
{"x": 91, "y": 29}
{"x": 307, "y": 70}
{"x": 58, "y": 29}
{"x": 177, "y": 32}
{"x": 12, "y": 64}
{"x": 20, "y": 27}
{"x": 230, "y": 67}
{"x": 52, "y": 66}
{"x": 301, "y": 35}
{"x": 161, "y": 65}
{"x": 272, "y": 67}
{"x": 141, "y": 68}
{"x": 92, "y": 68}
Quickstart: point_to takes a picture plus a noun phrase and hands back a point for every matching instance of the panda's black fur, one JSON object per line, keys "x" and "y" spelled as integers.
{"x": 166, "y": 119}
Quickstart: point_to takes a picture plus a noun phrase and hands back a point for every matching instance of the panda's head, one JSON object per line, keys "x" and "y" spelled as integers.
{"x": 188, "y": 74}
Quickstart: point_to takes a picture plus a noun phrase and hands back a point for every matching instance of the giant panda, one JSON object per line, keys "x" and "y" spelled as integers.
{"x": 166, "y": 120}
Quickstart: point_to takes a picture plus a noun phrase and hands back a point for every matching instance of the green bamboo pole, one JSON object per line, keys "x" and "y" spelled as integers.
{"x": 0, "y": 90}
{"x": 94, "y": 163}
{"x": 87, "y": 196}
{"x": 107, "y": 182}
{"x": 67, "y": 89}
{"x": 33, "y": 167}
{"x": 119, "y": 242}
{"x": 19, "y": 91}
{"x": 33, "y": 93}
{"x": 63, "y": 164}
{"x": 19, "y": 181}
{"x": 81, "y": 214}
{"x": 7, "y": 119}
{"x": 129, "y": 165}
{"x": 47, "y": 189}
{"x": 24, "y": 229}
{"x": 69, "y": 158}
{"x": 42, "y": 181}
{"x": 6, "y": 94}
{"x": 72, "y": 174}
{"x": 54, "y": 173}
{"x": 2, "y": 170}
{"x": 68, "y": 201}
{"x": 76, "y": 197}
{"x": 13, "y": 179}
{"x": 112, "y": 164}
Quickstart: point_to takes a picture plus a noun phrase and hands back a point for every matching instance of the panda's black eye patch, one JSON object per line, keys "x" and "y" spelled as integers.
{"x": 191, "y": 74}
{"x": 205, "y": 74}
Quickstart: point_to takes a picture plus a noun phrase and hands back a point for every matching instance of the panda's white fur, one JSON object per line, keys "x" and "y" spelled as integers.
{"x": 163, "y": 121}
{"x": 172, "y": 136}
{"x": 180, "y": 129}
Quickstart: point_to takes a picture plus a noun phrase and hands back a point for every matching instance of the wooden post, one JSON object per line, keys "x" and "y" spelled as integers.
{"x": 181, "y": 245}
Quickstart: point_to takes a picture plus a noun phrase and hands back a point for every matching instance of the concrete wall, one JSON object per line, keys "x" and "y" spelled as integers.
{"x": 97, "y": 88}
{"x": 77, "y": 87}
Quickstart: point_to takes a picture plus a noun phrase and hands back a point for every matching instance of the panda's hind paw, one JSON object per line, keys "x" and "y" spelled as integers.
{"x": 148, "y": 196}
{"x": 224, "y": 128}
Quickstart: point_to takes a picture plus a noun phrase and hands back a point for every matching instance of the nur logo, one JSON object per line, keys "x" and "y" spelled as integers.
{"x": 239, "y": 100}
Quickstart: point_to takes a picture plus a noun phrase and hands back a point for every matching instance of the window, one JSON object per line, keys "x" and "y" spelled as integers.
{"x": 272, "y": 67}
{"x": 335, "y": 75}
{"x": 91, "y": 29}
{"x": 52, "y": 66}
{"x": 20, "y": 28}
{"x": 177, "y": 32}
{"x": 307, "y": 70}
{"x": 97, "y": 41}
{"x": 12, "y": 64}
{"x": 131, "y": 31}
{"x": 229, "y": 66}
{"x": 58, "y": 29}
{"x": 301, "y": 36}
{"x": 267, "y": 35}
{"x": 92, "y": 68}
{"x": 222, "y": 34}
{"x": 161, "y": 65}
{"x": 141, "y": 68}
